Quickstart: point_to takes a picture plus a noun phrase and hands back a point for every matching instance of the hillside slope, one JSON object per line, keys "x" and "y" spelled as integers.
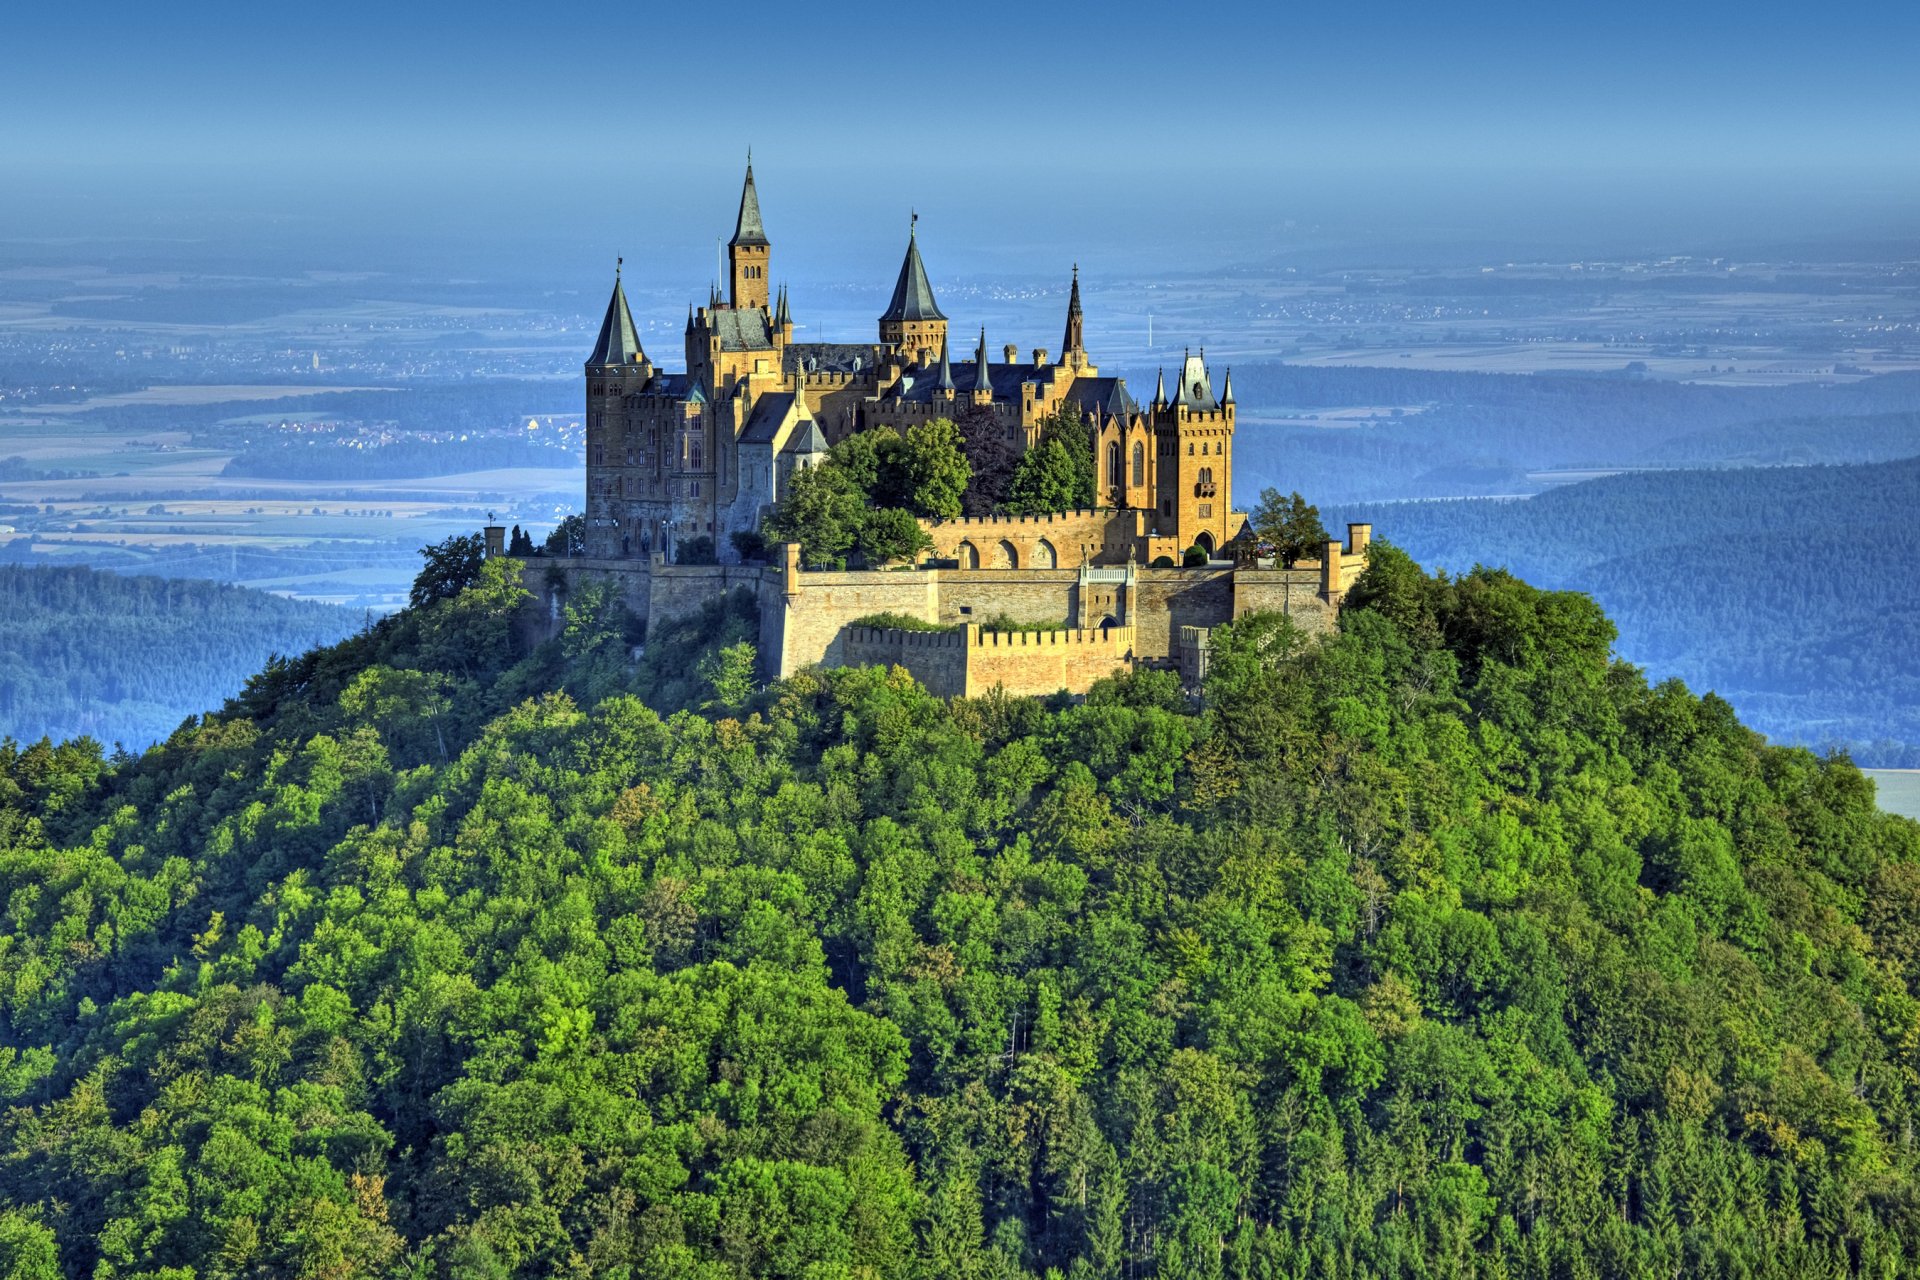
{"x": 126, "y": 659}
{"x": 1791, "y": 591}
{"x": 1447, "y": 947}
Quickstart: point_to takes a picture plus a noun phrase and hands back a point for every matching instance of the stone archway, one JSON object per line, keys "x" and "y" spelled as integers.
{"x": 1004, "y": 556}
{"x": 968, "y": 555}
{"x": 1044, "y": 556}
{"x": 1205, "y": 543}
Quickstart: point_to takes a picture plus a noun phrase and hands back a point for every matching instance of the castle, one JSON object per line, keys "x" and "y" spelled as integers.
{"x": 675, "y": 458}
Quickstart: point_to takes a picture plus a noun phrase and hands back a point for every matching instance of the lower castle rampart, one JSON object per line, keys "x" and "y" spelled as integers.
{"x": 1107, "y": 617}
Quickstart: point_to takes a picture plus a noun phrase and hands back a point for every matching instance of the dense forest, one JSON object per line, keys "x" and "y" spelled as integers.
{"x": 123, "y": 659}
{"x": 1791, "y": 591}
{"x": 1444, "y": 947}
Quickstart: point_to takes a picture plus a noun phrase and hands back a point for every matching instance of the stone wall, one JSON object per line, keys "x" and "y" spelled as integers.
{"x": 1060, "y": 540}
{"x": 968, "y": 661}
{"x": 819, "y": 606}
{"x": 1038, "y": 663}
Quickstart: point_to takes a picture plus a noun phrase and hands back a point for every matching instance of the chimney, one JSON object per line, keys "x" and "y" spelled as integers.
{"x": 1039, "y": 357}
{"x": 1330, "y": 573}
{"x": 1010, "y": 354}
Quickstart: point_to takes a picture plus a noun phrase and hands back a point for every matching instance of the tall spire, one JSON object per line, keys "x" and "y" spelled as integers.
{"x": 618, "y": 343}
{"x": 1074, "y": 341}
{"x": 946, "y": 370}
{"x": 781, "y": 316}
{"x": 982, "y": 376}
{"x": 1226, "y": 387}
{"x": 912, "y": 294}
{"x": 1160, "y": 389}
{"x": 747, "y": 228}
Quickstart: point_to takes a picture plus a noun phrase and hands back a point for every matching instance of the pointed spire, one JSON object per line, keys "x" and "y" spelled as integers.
{"x": 946, "y": 370}
{"x": 781, "y": 316}
{"x": 619, "y": 342}
{"x": 1075, "y": 339}
{"x": 912, "y": 294}
{"x": 1160, "y": 389}
{"x": 689, "y": 317}
{"x": 1226, "y": 388}
{"x": 747, "y": 228}
{"x": 982, "y": 375}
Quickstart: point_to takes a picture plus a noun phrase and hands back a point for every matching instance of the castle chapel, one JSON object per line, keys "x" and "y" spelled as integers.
{"x": 705, "y": 452}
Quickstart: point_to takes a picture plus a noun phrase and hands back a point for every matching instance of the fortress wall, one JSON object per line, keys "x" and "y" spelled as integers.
{"x": 1039, "y": 595}
{"x": 1038, "y": 663}
{"x": 818, "y": 607}
{"x": 1167, "y": 599}
{"x": 937, "y": 659}
{"x": 1294, "y": 592}
{"x": 681, "y": 589}
{"x": 1099, "y": 536}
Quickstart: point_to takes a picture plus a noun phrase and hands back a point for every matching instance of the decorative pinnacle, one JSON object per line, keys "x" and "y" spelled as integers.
{"x": 617, "y": 264}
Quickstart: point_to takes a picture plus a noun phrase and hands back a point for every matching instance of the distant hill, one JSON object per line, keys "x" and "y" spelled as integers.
{"x": 1792, "y": 591}
{"x": 125, "y": 659}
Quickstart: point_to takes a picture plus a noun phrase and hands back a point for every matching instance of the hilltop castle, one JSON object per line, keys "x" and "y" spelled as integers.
{"x": 675, "y": 457}
{"x": 705, "y": 452}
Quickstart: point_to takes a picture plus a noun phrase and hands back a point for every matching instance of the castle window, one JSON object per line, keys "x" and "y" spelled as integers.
{"x": 696, "y": 455}
{"x": 1113, "y": 463}
{"x": 1139, "y": 463}
{"x": 1189, "y": 448}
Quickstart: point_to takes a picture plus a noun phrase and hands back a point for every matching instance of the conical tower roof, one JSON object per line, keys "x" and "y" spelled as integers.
{"x": 982, "y": 376}
{"x": 912, "y": 295}
{"x": 747, "y": 228}
{"x": 946, "y": 370}
{"x": 618, "y": 343}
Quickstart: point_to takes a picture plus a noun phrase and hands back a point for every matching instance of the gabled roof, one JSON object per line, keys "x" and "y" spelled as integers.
{"x": 1107, "y": 395}
{"x": 746, "y": 227}
{"x": 769, "y": 413}
{"x": 808, "y": 438}
{"x": 618, "y": 342}
{"x": 912, "y": 295}
{"x": 741, "y": 329}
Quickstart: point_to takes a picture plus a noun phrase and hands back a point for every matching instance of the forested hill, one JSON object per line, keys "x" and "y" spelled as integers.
{"x": 126, "y": 659}
{"x": 1443, "y": 948}
{"x": 1792, "y": 591}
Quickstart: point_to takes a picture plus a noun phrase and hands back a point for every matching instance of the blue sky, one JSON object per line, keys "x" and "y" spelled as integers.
{"x": 1381, "y": 121}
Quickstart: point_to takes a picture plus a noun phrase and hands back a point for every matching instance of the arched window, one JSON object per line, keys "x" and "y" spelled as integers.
{"x": 1113, "y": 464}
{"x": 1139, "y": 464}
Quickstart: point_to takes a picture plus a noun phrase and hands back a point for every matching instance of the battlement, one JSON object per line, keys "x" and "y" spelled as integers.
{"x": 1046, "y": 518}
{"x": 1111, "y": 637}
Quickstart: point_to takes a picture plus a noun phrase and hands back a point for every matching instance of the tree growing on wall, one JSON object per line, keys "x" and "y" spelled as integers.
{"x": 1289, "y": 524}
{"x": 891, "y": 533}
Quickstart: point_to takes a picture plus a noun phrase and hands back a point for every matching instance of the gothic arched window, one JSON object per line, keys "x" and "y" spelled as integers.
{"x": 1139, "y": 463}
{"x": 1113, "y": 463}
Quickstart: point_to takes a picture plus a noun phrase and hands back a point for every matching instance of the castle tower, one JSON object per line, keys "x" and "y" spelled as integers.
{"x": 1193, "y": 430}
{"x": 747, "y": 252}
{"x": 913, "y": 323}
{"x": 1073, "y": 347}
{"x": 617, "y": 369}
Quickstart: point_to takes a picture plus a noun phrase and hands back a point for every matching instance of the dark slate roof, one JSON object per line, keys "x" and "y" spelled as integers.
{"x": 747, "y": 228}
{"x": 945, "y": 380}
{"x": 743, "y": 329}
{"x": 618, "y": 342}
{"x": 830, "y": 357}
{"x": 912, "y": 295}
{"x": 808, "y": 439}
{"x": 1108, "y": 395}
{"x": 769, "y": 411}
{"x": 1195, "y": 390}
{"x": 677, "y": 386}
{"x": 922, "y": 384}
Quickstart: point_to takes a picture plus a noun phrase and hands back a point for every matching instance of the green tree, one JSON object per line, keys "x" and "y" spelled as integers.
{"x": 451, "y": 567}
{"x": 1044, "y": 480}
{"x": 892, "y": 533}
{"x": 1288, "y": 524}
{"x": 569, "y": 537}
{"x": 935, "y": 469}
{"x": 874, "y": 461}
{"x": 823, "y": 511}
